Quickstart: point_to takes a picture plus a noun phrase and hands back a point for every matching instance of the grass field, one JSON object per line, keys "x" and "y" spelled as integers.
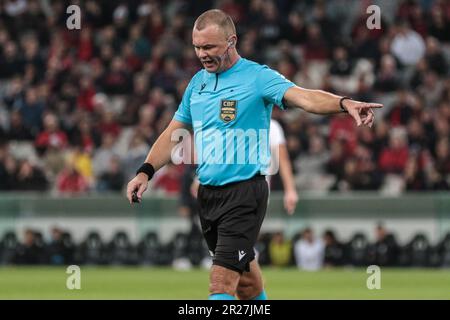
{"x": 165, "y": 283}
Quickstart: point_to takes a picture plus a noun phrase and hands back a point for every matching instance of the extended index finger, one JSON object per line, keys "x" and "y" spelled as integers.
{"x": 371, "y": 105}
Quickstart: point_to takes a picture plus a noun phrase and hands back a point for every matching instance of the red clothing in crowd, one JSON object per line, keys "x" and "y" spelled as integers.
{"x": 112, "y": 128}
{"x": 169, "y": 180}
{"x": 71, "y": 182}
{"x": 56, "y": 139}
{"x": 85, "y": 49}
{"x": 393, "y": 160}
{"x": 343, "y": 129}
{"x": 85, "y": 99}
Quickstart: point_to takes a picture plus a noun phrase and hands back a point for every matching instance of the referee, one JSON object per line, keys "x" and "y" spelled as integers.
{"x": 233, "y": 95}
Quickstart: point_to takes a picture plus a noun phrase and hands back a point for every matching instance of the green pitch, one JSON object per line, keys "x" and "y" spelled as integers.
{"x": 165, "y": 283}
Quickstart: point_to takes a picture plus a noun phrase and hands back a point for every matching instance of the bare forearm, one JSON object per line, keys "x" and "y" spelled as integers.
{"x": 161, "y": 151}
{"x": 286, "y": 169}
{"x": 323, "y": 102}
{"x": 314, "y": 101}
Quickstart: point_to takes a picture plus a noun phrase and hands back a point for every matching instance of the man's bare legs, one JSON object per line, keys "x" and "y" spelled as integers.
{"x": 251, "y": 283}
{"x": 223, "y": 280}
{"x": 246, "y": 286}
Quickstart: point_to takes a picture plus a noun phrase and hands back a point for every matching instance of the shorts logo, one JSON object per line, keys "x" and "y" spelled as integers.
{"x": 228, "y": 110}
{"x": 241, "y": 254}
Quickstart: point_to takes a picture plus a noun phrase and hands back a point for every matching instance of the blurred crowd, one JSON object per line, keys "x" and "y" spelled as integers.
{"x": 79, "y": 109}
{"x": 185, "y": 250}
{"x": 311, "y": 253}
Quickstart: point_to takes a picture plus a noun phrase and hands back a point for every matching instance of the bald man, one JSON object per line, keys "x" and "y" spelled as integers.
{"x": 229, "y": 104}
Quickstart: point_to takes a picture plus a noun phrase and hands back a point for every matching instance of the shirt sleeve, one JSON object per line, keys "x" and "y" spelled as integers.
{"x": 273, "y": 86}
{"x": 183, "y": 114}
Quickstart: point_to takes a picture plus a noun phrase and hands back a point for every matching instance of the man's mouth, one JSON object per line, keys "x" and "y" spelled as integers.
{"x": 208, "y": 63}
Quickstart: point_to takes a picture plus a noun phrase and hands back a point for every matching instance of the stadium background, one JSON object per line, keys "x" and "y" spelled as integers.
{"x": 79, "y": 110}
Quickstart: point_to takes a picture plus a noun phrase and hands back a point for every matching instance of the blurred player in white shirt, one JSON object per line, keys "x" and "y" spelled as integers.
{"x": 280, "y": 160}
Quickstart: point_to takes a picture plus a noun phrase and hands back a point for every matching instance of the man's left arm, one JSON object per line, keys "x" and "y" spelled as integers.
{"x": 322, "y": 102}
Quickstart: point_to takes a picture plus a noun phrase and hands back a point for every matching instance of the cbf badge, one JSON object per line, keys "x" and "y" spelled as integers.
{"x": 228, "y": 110}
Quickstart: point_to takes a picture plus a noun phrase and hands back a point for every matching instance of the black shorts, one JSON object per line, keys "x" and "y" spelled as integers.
{"x": 231, "y": 217}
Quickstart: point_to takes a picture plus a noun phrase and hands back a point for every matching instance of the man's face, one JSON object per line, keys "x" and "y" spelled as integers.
{"x": 210, "y": 45}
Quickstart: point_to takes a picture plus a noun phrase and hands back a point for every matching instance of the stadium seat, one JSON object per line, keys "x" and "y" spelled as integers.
{"x": 120, "y": 250}
{"x": 92, "y": 249}
{"x": 197, "y": 249}
{"x": 180, "y": 245}
{"x": 419, "y": 250}
{"x": 40, "y": 244}
{"x": 148, "y": 249}
{"x": 31, "y": 250}
{"x": 8, "y": 247}
{"x": 262, "y": 247}
{"x": 357, "y": 250}
{"x": 443, "y": 249}
{"x": 61, "y": 249}
{"x": 384, "y": 252}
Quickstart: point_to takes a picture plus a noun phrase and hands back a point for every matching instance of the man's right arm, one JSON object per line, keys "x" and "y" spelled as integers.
{"x": 160, "y": 153}
{"x": 158, "y": 156}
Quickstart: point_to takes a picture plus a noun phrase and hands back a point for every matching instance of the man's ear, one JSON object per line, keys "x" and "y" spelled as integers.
{"x": 232, "y": 43}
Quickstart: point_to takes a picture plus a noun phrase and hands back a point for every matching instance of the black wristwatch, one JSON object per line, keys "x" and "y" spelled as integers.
{"x": 341, "y": 105}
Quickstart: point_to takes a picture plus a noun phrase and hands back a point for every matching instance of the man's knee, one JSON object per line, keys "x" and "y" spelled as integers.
{"x": 223, "y": 280}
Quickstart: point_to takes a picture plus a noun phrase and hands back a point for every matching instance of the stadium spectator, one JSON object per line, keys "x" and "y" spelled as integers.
{"x": 407, "y": 45}
{"x": 135, "y": 154}
{"x": 104, "y": 154}
{"x": 394, "y": 157}
{"x": 30, "y": 178}
{"x": 17, "y": 129}
{"x": 82, "y": 163}
{"x": 335, "y": 164}
{"x": 60, "y": 249}
{"x": 414, "y": 178}
{"x": 29, "y": 252}
{"x": 334, "y": 251}
{"x": 70, "y": 181}
{"x": 387, "y": 78}
{"x": 8, "y": 169}
{"x": 443, "y": 157}
{"x": 112, "y": 179}
{"x": 384, "y": 252}
{"x": 280, "y": 250}
{"x": 308, "y": 251}
{"x": 31, "y": 108}
{"x": 168, "y": 179}
{"x": 52, "y": 137}
{"x": 311, "y": 166}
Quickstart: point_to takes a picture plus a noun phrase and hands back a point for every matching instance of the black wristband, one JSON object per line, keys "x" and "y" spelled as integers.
{"x": 341, "y": 105}
{"x": 148, "y": 169}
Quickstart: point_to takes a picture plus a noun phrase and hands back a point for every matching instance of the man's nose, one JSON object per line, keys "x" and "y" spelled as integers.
{"x": 201, "y": 54}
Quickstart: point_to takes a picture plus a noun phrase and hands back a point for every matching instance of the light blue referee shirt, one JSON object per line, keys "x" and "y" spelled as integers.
{"x": 230, "y": 114}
